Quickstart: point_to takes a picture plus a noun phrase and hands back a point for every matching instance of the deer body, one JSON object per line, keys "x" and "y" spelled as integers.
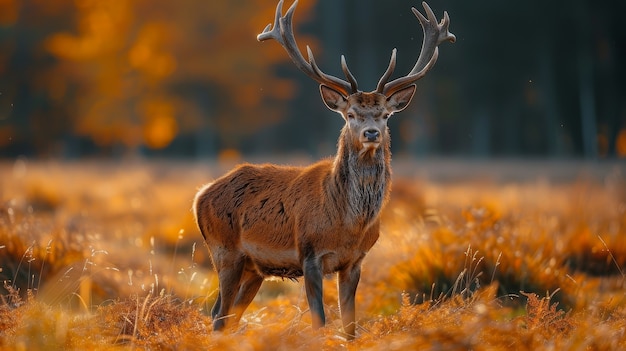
{"x": 268, "y": 220}
{"x": 275, "y": 215}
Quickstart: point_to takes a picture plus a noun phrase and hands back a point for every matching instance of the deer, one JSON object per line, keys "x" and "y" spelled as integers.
{"x": 264, "y": 220}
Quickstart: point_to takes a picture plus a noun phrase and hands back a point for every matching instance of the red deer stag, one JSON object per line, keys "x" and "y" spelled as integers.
{"x": 268, "y": 220}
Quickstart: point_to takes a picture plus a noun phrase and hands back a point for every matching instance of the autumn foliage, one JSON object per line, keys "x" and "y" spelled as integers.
{"x": 140, "y": 73}
{"x": 99, "y": 255}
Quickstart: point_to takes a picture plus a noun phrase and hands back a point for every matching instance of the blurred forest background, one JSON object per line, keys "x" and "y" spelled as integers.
{"x": 187, "y": 78}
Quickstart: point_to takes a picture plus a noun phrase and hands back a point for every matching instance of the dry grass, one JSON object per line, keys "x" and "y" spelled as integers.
{"x": 96, "y": 256}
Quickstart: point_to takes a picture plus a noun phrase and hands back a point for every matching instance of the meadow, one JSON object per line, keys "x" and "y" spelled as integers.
{"x": 105, "y": 255}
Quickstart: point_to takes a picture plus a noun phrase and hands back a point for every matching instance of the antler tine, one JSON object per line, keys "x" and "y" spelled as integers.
{"x": 273, "y": 33}
{"x": 349, "y": 75}
{"x": 282, "y": 32}
{"x": 332, "y": 81}
{"x": 392, "y": 66}
{"x": 434, "y": 34}
{"x": 407, "y": 80}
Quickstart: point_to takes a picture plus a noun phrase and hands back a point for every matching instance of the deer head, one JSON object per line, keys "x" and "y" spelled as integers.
{"x": 365, "y": 113}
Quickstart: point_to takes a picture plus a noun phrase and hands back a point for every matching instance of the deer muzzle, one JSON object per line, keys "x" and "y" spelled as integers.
{"x": 370, "y": 139}
{"x": 371, "y": 135}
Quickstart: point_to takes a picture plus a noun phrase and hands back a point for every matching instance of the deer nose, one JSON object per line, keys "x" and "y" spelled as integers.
{"x": 371, "y": 134}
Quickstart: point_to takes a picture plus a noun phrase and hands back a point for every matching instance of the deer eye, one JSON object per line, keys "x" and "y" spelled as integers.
{"x": 350, "y": 115}
{"x": 385, "y": 116}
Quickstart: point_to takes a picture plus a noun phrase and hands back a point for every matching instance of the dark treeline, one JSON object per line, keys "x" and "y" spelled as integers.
{"x": 524, "y": 79}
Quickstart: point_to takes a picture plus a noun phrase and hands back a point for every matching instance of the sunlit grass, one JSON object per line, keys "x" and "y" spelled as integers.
{"x": 94, "y": 256}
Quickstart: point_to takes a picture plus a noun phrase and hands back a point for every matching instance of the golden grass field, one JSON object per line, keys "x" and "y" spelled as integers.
{"x": 103, "y": 255}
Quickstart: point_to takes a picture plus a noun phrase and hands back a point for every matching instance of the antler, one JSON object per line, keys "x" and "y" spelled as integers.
{"x": 434, "y": 34}
{"x": 282, "y": 32}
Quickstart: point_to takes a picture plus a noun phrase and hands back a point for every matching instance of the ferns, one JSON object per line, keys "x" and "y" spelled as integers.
{"x": 460, "y": 267}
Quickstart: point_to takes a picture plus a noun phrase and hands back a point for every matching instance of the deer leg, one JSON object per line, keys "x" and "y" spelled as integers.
{"x": 250, "y": 284}
{"x": 347, "y": 282}
{"x": 216, "y": 305}
{"x": 314, "y": 290}
{"x": 230, "y": 279}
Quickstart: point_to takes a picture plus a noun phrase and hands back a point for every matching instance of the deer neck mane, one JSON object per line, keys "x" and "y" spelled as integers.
{"x": 362, "y": 179}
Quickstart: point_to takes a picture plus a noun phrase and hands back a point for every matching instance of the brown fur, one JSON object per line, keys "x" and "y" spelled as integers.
{"x": 269, "y": 220}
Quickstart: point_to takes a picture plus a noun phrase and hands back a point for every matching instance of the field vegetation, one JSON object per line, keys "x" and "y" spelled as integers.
{"x": 107, "y": 255}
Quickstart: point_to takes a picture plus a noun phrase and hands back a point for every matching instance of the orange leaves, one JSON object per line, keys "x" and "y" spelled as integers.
{"x": 537, "y": 237}
{"x": 620, "y": 143}
{"x": 106, "y": 114}
{"x": 6, "y": 135}
{"x": 483, "y": 216}
{"x": 154, "y": 321}
{"x": 100, "y": 25}
{"x": 160, "y": 131}
{"x": 201, "y": 58}
{"x": 150, "y": 53}
{"x": 543, "y": 317}
{"x": 9, "y": 10}
{"x": 160, "y": 126}
{"x": 122, "y": 233}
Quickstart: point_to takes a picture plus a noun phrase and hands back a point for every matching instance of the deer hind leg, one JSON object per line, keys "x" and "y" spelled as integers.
{"x": 250, "y": 283}
{"x": 216, "y": 306}
{"x": 229, "y": 275}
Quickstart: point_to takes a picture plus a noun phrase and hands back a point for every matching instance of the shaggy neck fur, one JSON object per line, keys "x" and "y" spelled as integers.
{"x": 362, "y": 178}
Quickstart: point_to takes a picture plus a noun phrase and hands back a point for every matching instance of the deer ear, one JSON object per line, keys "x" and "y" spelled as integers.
{"x": 333, "y": 99}
{"x": 399, "y": 100}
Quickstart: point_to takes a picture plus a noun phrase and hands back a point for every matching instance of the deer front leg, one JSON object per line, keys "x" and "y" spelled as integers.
{"x": 314, "y": 291}
{"x": 347, "y": 282}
